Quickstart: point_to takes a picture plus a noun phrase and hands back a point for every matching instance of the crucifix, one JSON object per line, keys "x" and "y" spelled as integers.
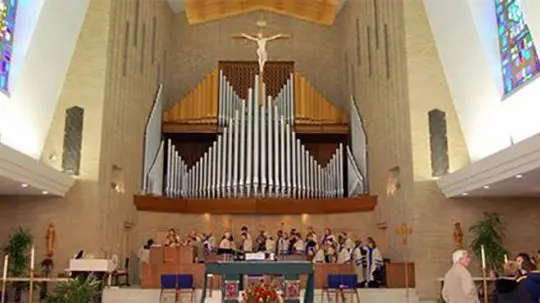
{"x": 261, "y": 41}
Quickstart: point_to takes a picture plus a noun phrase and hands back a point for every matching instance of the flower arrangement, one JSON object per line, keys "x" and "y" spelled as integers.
{"x": 262, "y": 292}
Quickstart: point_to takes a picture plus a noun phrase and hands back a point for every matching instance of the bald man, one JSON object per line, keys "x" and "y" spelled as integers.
{"x": 458, "y": 283}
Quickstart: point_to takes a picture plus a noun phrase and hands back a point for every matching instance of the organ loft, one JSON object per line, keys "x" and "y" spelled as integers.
{"x": 255, "y": 137}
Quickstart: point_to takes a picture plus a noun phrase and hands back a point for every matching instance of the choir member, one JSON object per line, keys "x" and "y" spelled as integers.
{"x": 320, "y": 255}
{"x": 172, "y": 239}
{"x": 311, "y": 234}
{"x": 311, "y": 245}
{"x": 247, "y": 245}
{"x": 358, "y": 258}
{"x": 226, "y": 245}
{"x": 374, "y": 263}
{"x": 260, "y": 241}
{"x": 299, "y": 245}
{"x": 328, "y": 236}
{"x": 270, "y": 244}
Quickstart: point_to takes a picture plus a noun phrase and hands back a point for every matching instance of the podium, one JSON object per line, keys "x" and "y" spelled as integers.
{"x": 172, "y": 255}
{"x": 232, "y": 272}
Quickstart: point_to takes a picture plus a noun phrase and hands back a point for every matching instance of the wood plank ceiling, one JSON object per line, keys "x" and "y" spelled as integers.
{"x": 318, "y": 11}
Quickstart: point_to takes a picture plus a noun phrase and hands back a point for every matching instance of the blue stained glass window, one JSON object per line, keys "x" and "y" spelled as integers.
{"x": 8, "y": 11}
{"x": 519, "y": 59}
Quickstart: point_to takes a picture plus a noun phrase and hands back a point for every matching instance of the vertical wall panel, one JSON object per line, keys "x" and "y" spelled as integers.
{"x": 73, "y": 128}
{"x": 438, "y": 143}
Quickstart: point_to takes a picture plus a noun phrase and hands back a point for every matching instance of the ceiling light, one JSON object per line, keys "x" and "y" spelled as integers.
{"x": 519, "y": 176}
{"x": 45, "y": 192}
{"x": 24, "y": 185}
{"x": 465, "y": 194}
{"x": 486, "y": 186}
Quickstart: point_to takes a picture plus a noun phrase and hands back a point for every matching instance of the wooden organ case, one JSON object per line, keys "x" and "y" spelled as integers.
{"x": 239, "y": 144}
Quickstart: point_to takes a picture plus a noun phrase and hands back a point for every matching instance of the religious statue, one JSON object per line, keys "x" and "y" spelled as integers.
{"x": 458, "y": 236}
{"x": 261, "y": 41}
{"x": 50, "y": 238}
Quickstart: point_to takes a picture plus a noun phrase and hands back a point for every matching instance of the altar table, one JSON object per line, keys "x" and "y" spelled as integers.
{"x": 233, "y": 272}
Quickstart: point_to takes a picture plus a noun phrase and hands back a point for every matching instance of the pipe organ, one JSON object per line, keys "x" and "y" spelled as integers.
{"x": 257, "y": 154}
{"x": 276, "y": 140}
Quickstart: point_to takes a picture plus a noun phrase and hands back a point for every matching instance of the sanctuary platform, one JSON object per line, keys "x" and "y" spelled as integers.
{"x": 135, "y": 295}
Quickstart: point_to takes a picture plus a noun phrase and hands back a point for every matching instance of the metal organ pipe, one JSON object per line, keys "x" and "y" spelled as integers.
{"x": 257, "y": 155}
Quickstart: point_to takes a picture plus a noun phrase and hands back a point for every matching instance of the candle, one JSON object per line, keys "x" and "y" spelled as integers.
{"x": 483, "y": 257}
{"x": 4, "y": 275}
{"x": 32, "y": 256}
{"x": 505, "y": 259}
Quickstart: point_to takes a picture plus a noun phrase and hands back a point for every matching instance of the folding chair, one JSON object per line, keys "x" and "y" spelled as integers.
{"x": 168, "y": 285}
{"x": 185, "y": 285}
{"x": 340, "y": 284}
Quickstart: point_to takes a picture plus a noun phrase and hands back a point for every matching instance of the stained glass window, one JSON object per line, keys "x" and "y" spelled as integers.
{"x": 519, "y": 58}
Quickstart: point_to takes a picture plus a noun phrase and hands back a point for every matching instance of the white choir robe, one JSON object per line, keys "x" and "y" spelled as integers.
{"x": 344, "y": 256}
{"x": 270, "y": 246}
{"x": 374, "y": 260}
{"x": 319, "y": 257}
{"x": 358, "y": 261}
{"x": 299, "y": 246}
{"x": 247, "y": 245}
{"x": 283, "y": 246}
{"x": 349, "y": 244}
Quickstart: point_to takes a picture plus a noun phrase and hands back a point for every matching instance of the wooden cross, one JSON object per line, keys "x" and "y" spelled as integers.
{"x": 403, "y": 232}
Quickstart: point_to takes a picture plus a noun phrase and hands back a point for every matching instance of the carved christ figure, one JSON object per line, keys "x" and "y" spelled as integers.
{"x": 261, "y": 41}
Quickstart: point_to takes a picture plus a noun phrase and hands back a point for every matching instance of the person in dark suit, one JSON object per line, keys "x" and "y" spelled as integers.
{"x": 508, "y": 289}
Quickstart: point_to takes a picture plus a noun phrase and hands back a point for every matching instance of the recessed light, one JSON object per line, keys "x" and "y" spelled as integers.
{"x": 519, "y": 176}
{"x": 486, "y": 186}
{"x": 45, "y": 192}
{"x": 465, "y": 194}
{"x": 24, "y": 185}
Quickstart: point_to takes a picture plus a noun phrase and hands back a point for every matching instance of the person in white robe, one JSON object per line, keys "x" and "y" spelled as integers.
{"x": 320, "y": 255}
{"x": 458, "y": 283}
{"x": 328, "y": 236}
{"x": 270, "y": 244}
{"x": 299, "y": 245}
{"x": 374, "y": 262}
{"x": 358, "y": 256}
{"x": 247, "y": 243}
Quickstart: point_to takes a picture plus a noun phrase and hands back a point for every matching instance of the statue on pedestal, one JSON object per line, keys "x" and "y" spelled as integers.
{"x": 50, "y": 238}
{"x": 458, "y": 236}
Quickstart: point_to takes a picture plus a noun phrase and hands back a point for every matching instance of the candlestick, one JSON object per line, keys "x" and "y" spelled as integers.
{"x": 32, "y": 256}
{"x": 505, "y": 259}
{"x": 483, "y": 257}
{"x": 4, "y": 274}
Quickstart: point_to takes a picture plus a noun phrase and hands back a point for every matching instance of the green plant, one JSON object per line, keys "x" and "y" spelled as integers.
{"x": 18, "y": 247}
{"x": 489, "y": 232}
{"x": 79, "y": 290}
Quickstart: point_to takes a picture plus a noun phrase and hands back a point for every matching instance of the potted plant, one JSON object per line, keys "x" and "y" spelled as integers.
{"x": 79, "y": 290}
{"x": 489, "y": 232}
{"x": 18, "y": 245}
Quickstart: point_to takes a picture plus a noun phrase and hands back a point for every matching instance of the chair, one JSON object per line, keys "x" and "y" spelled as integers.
{"x": 341, "y": 284}
{"x": 168, "y": 285}
{"x": 185, "y": 285}
{"x": 119, "y": 273}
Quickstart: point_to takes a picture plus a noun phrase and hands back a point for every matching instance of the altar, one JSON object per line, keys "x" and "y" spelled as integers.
{"x": 233, "y": 273}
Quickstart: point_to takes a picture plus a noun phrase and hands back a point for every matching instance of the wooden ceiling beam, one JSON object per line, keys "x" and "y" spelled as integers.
{"x": 318, "y": 11}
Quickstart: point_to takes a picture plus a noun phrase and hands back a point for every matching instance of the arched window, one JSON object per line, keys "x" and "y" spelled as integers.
{"x": 519, "y": 59}
{"x": 8, "y": 11}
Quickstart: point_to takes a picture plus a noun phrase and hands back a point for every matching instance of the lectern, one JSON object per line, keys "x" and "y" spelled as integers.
{"x": 232, "y": 272}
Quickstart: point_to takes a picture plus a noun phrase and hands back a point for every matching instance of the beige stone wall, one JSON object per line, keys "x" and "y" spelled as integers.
{"x": 379, "y": 94}
{"x": 93, "y": 215}
{"x": 197, "y": 49}
{"x": 84, "y": 87}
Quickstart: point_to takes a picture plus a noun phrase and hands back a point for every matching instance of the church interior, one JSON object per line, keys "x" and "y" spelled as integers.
{"x": 302, "y": 140}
